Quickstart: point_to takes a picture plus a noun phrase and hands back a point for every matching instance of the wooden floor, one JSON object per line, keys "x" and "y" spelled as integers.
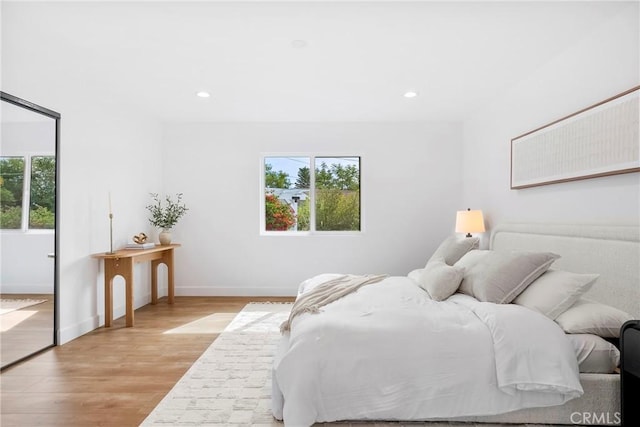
{"x": 115, "y": 376}
{"x": 26, "y": 331}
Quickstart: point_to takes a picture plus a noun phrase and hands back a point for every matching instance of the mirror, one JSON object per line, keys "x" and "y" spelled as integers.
{"x": 28, "y": 229}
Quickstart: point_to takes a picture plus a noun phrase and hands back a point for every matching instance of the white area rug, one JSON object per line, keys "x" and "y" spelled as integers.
{"x": 230, "y": 384}
{"x": 7, "y": 305}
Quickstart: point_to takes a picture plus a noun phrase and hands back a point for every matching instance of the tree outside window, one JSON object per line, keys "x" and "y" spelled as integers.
{"x": 329, "y": 193}
{"x": 41, "y": 188}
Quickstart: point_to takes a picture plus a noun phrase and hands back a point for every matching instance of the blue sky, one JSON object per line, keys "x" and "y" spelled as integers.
{"x": 291, "y": 164}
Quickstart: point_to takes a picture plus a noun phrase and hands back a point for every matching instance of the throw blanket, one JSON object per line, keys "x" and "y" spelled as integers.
{"x": 328, "y": 292}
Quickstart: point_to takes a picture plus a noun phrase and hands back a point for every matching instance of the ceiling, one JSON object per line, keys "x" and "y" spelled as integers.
{"x": 356, "y": 61}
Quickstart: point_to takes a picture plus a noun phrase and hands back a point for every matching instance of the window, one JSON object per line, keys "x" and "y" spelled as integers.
{"x": 311, "y": 193}
{"x": 27, "y": 200}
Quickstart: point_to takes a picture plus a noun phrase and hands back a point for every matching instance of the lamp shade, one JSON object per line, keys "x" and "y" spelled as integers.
{"x": 469, "y": 222}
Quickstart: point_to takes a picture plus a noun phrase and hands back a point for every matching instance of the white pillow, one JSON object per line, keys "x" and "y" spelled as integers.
{"x": 555, "y": 291}
{"x": 453, "y": 248}
{"x": 500, "y": 276}
{"x": 590, "y": 317}
{"x": 594, "y": 354}
{"x": 438, "y": 279}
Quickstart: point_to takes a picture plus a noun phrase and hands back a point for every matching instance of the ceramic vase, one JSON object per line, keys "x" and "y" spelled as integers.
{"x": 165, "y": 237}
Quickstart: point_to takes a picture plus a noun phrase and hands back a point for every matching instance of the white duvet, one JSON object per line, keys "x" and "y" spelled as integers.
{"x": 389, "y": 352}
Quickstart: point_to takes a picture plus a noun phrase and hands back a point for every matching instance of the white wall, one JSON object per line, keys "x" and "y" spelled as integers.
{"x": 410, "y": 191}
{"x": 102, "y": 151}
{"x": 597, "y": 68}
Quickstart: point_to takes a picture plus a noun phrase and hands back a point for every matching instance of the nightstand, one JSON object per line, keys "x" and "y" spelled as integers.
{"x": 630, "y": 372}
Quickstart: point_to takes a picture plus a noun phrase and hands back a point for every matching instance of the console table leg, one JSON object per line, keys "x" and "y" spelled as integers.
{"x": 169, "y": 262}
{"x": 154, "y": 280}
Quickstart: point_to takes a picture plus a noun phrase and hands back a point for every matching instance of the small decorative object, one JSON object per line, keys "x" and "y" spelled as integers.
{"x": 165, "y": 217}
{"x": 140, "y": 238}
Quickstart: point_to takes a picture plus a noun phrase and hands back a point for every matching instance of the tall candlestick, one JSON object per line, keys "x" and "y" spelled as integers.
{"x": 110, "y": 234}
{"x": 110, "y": 226}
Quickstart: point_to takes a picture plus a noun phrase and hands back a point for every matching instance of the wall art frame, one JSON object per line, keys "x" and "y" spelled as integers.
{"x": 600, "y": 140}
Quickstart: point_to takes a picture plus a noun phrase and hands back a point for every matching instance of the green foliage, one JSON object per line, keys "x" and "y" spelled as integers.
{"x": 337, "y": 210}
{"x": 6, "y": 197}
{"x": 12, "y": 179}
{"x": 304, "y": 179}
{"x": 304, "y": 216}
{"x": 42, "y": 218}
{"x": 279, "y": 216}
{"x": 11, "y": 217}
{"x": 338, "y": 177}
{"x": 166, "y": 217}
{"x": 275, "y": 179}
{"x": 43, "y": 181}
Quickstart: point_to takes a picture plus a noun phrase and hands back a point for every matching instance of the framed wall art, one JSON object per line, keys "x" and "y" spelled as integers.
{"x": 600, "y": 140}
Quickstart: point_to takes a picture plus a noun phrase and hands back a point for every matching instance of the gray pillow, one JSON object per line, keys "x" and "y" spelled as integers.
{"x": 438, "y": 279}
{"x": 500, "y": 276}
{"x": 589, "y": 317}
{"x": 555, "y": 291}
{"x": 469, "y": 259}
{"x": 453, "y": 248}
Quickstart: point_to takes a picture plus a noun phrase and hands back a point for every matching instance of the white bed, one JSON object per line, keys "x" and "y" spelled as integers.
{"x": 348, "y": 380}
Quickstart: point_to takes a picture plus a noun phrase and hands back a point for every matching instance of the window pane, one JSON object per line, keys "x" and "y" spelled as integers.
{"x": 42, "y": 202}
{"x": 337, "y": 193}
{"x": 11, "y": 188}
{"x": 286, "y": 193}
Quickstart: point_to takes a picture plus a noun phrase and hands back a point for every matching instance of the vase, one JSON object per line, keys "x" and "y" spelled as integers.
{"x": 165, "y": 236}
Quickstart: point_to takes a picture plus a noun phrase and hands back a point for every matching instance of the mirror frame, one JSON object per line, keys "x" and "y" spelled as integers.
{"x": 19, "y": 102}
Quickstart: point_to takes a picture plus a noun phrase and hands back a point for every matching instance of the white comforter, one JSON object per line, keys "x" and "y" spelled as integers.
{"x": 389, "y": 352}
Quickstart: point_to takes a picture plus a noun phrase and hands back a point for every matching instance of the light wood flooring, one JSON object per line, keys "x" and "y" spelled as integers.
{"x": 115, "y": 376}
{"x": 26, "y": 331}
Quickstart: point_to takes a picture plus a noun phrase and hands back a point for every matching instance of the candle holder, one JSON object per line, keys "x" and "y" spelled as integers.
{"x": 111, "y": 252}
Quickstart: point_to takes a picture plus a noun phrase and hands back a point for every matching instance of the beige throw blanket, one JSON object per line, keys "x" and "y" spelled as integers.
{"x": 328, "y": 292}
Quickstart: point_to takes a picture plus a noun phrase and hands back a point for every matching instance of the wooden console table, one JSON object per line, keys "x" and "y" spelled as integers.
{"x": 121, "y": 263}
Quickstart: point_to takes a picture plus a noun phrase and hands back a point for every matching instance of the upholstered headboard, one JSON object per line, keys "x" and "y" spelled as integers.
{"x": 611, "y": 251}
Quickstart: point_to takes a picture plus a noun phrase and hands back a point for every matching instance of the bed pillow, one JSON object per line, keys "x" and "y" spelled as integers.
{"x": 555, "y": 291}
{"x": 438, "y": 279}
{"x": 453, "y": 248}
{"x": 470, "y": 259}
{"x": 590, "y": 317}
{"x": 594, "y": 354}
{"x": 500, "y": 276}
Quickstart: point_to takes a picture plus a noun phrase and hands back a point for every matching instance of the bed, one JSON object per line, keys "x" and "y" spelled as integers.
{"x": 387, "y": 352}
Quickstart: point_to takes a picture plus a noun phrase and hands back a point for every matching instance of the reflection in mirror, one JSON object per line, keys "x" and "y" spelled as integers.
{"x": 28, "y": 270}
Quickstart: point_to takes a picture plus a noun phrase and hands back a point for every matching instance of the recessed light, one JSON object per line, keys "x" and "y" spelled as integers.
{"x": 410, "y": 94}
{"x": 203, "y": 94}
{"x": 299, "y": 44}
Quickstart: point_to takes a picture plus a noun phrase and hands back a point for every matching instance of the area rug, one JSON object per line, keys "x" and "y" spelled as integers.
{"x": 7, "y": 305}
{"x": 230, "y": 384}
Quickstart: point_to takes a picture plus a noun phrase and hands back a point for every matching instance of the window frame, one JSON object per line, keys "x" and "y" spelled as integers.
{"x": 312, "y": 196}
{"x": 27, "y": 156}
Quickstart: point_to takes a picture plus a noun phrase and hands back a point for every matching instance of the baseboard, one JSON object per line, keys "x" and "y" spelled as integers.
{"x": 94, "y": 322}
{"x": 207, "y": 291}
{"x": 22, "y": 288}
{"x": 78, "y": 329}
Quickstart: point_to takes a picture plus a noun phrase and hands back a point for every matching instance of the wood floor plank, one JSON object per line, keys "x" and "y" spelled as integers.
{"x": 115, "y": 376}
